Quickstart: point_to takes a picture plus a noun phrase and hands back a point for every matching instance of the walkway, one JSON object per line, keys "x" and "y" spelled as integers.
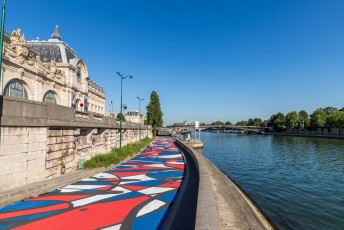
{"x": 136, "y": 194}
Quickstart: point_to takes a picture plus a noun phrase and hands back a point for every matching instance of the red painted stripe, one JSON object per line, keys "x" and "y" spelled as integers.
{"x": 105, "y": 188}
{"x": 134, "y": 188}
{"x": 89, "y": 217}
{"x": 170, "y": 185}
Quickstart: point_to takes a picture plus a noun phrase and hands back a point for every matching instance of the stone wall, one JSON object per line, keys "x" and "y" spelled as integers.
{"x": 22, "y": 155}
{"x": 319, "y": 132}
{"x": 39, "y": 141}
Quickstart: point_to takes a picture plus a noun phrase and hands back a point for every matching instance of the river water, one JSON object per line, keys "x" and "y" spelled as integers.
{"x": 297, "y": 181}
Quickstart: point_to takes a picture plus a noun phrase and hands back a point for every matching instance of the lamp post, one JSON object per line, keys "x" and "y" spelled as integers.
{"x": 120, "y": 116}
{"x": 2, "y": 37}
{"x": 140, "y": 99}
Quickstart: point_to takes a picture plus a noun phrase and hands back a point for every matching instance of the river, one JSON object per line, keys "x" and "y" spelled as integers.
{"x": 297, "y": 181}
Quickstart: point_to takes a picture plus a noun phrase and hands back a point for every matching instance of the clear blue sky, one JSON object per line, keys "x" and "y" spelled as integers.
{"x": 207, "y": 60}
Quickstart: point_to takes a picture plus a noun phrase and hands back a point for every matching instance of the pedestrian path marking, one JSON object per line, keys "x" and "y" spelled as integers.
{"x": 137, "y": 193}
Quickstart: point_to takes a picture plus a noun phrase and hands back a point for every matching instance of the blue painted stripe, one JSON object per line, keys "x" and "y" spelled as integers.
{"x": 25, "y": 205}
{"x": 149, "y": 221}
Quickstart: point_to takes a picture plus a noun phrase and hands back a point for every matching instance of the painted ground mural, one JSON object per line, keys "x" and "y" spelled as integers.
{"x": 134, "y": 195}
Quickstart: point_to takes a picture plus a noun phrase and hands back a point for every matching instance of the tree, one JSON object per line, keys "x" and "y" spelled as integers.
{"x": 228, "y": 123}
{"x": 337, "y": 120}
{"x": 217, "y": 123}
{"x": 330, "y": 110}
{"x": 265, "y": 123}
{"x": 257, "y": 121}
{"x": 292, "y": 120}
{"x": 278, "y": 121}
{"x": 241, "y": 123}
{"x": 154, "y": 114}
{"x": 319, "y": 119}
{"x": 120, "y": 116}
{"x": 304, "y": 119}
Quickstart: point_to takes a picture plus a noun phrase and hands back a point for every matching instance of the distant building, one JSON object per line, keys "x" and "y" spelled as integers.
{"x": 185, "y": 123}
{"x": 48, "y": 71}
{"x": 134, "y": 116}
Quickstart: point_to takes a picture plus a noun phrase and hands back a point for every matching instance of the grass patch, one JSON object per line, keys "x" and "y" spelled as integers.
{"x": 116, "y": 155}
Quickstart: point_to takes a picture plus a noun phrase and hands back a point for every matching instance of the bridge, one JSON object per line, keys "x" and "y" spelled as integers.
{"x": 218, "y": 128}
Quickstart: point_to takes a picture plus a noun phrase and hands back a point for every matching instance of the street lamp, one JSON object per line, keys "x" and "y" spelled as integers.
{"x": 2, "y": 37}
{"x": 120, "y": 116}
{"x": 140, "y": 99}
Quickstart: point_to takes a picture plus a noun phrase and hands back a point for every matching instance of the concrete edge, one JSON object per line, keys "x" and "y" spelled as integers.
{"x": 206, "y": 213}
{"x": 258, "y": 214}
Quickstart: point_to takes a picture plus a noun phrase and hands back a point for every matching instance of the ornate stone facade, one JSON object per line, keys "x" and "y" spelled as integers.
{"x": 48, "y": 71}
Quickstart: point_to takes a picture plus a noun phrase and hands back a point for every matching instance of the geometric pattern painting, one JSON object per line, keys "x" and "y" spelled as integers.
{"x": 136, "y": 194}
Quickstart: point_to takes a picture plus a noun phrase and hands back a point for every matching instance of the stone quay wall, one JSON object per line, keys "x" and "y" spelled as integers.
{"x": 40, "y": 141}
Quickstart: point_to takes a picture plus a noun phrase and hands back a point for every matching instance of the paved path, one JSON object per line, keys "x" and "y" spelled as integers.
{"x": 134, "y": 195}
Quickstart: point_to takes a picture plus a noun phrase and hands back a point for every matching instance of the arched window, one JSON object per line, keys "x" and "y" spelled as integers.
{"x": 78, "y": 73}
{"x": 49, "y": 97}
{"x": 15, "y": 89}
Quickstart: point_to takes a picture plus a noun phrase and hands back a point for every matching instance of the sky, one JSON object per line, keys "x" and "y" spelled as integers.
{"x": 207, "y": 60}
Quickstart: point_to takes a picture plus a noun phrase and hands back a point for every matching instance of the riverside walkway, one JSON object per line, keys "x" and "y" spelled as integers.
{"x": 136, "y": 194}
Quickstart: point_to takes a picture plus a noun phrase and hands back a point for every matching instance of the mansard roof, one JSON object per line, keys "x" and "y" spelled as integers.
{"x": 52, "y": 49}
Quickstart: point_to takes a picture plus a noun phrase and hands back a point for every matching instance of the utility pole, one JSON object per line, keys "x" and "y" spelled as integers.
{"x": 2, "y": 38}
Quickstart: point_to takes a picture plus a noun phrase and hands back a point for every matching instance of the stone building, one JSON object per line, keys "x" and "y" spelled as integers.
{"x": 134, "y": 116}
{"x": 51, "y": 112}
{"x": 48, "y": 71}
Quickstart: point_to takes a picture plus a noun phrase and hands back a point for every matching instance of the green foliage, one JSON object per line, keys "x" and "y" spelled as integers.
{"x": 241, "y": 123}
{"x": 277, "y": 121}
{"x": 218, "y": 123}
{"x": 329, "y": 117}
{"x": 120, "y": 116}
{"x": 254, "y": 122}
{"x": 336, "y": 119}
{"x": 319, "y": 118}
{"x": 304, "y": 119}
{"x": 330, "y": 110}
{"x": 292, "y": 120}
{"x": 265, "y": 123}
{"x": 116, "y": 155}
{"x": 154, "y": 114}
{"x": 228, "y": 123}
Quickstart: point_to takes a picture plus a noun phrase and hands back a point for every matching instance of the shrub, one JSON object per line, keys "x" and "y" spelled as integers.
{"x": 116, "y": 155}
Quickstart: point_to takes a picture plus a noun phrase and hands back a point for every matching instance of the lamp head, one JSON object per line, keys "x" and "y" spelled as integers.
{"x": 130, "y": 77}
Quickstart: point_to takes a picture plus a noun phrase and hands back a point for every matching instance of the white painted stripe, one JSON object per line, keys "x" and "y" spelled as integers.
{"x": 150, "y": 207}
{"x": 92, "y": 199}
{"x": 84, "y": 186}
{"x": 141, "y": 177}
{"x": 105, "y": 175}
{"x": 89, "y": 179}
{"x": 170, "y": 156}
{"x": 121, "y": 189}
{"x": 157, "y": 165}
{"x": 176, "y": 163}
{"x": 154, "y": 190}
{"x": 63, "y": 190}
{"x": 115, "y": 227}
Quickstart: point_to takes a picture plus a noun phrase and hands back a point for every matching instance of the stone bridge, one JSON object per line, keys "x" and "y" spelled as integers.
{"x": 218, "y": 128}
